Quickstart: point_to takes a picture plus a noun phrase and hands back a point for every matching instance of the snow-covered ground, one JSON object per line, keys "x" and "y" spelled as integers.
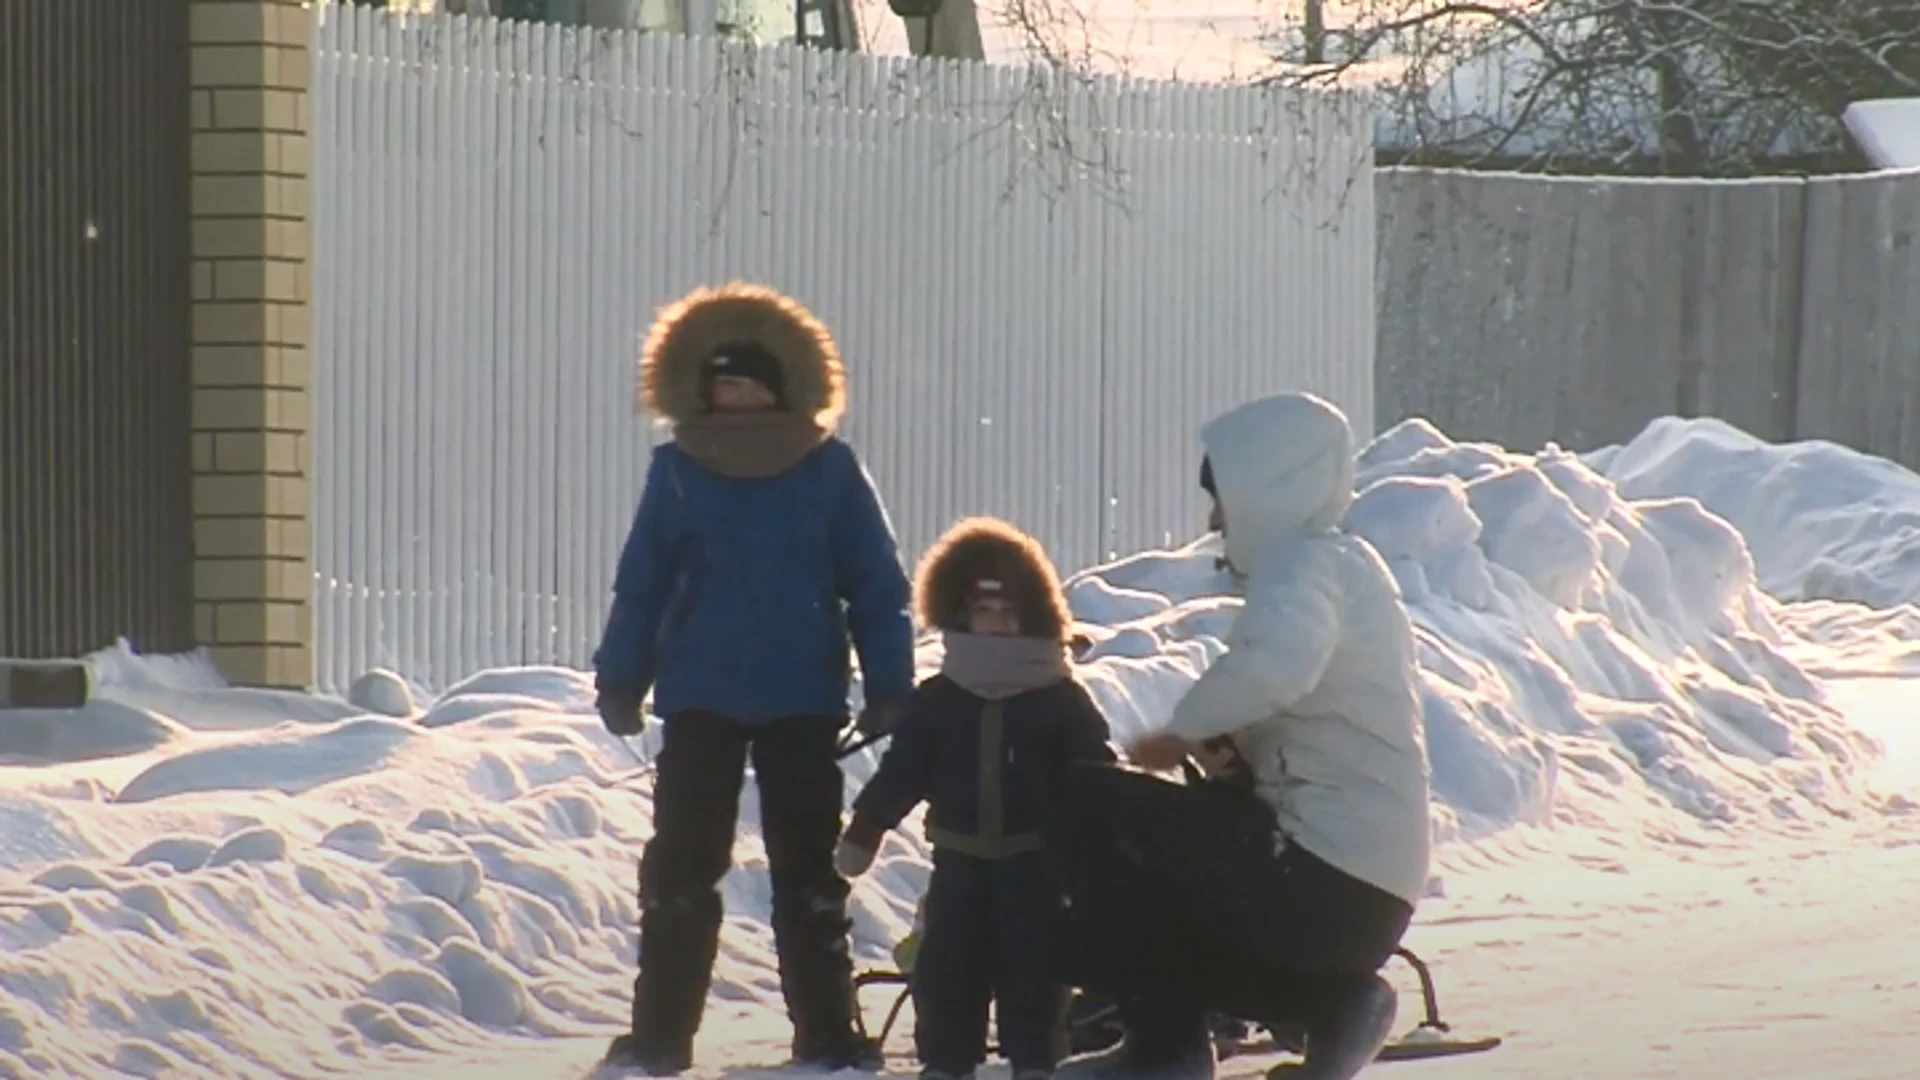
{"x": 1674, "y": 810}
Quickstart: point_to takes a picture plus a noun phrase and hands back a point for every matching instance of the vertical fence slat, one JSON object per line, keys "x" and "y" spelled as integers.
{"x": 439, "y": 173}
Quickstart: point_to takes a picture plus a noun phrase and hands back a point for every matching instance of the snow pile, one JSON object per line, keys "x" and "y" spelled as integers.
{"x": 1601, "y": 658}
{"x": 224, "y": 883}
{"x": 1822, "y": 522}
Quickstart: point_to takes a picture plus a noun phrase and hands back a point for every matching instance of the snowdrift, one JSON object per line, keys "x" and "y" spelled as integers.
{"x": 1822, "y": 522}
{"x": 249, "y": 884}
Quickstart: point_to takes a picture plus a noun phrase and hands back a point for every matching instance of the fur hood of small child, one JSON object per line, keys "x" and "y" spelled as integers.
{"x": 996, "y": 598}
{"x": 988, "y": 559}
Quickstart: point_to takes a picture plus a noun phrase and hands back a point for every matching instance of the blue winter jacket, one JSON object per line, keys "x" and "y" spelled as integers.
{"x": 738, "y": 596}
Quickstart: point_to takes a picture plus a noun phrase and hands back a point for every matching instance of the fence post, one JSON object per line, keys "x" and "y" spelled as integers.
{"x": 253, "y": 581}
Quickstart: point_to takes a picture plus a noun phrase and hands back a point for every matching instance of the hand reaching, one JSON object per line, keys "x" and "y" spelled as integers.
{"x": 620, "y": 714}
{"x": 877, "y": 718}
{"x": 1158, "y": 751}
{"x": 851, "y": 860}
{"x": 1220, "y": 759}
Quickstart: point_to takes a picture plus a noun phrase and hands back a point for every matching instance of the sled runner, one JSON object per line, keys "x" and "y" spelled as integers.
{"x": 1094, "y": 1027}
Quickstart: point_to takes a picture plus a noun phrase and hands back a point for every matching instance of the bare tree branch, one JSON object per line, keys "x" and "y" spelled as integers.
{"x": 1708, "y": 87}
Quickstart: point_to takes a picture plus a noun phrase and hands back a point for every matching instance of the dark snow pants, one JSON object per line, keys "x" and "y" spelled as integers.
{"x": 696, "y": 805}
{"x": 991, "y": 929}
{"x": 1180, "y": 906}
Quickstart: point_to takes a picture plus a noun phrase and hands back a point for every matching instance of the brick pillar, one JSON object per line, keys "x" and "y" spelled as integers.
{"x": 253, "y": 579}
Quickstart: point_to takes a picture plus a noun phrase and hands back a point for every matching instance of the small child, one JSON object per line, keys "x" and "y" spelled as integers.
{"x": 986, "y": 742}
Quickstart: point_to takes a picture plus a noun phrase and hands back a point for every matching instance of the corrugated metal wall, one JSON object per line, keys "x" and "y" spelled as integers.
{"x": 96, "y": 520}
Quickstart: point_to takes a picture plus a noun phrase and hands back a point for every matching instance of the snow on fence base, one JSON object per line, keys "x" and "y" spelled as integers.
{"x": 1041, "y": 287}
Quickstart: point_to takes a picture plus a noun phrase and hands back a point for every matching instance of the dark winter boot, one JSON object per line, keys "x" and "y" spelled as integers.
{"x": 1350, "y": 1037}
{"x": 1163, "y": 1041}
{"x": 679, "y": 937}
{"x": 1093, "y": 1023}
{"x": 1229, "y": 1034}
{"x": 627, "y": 1053}
{"x": 842, "y": 1050}
{"x": 816, "y": 978}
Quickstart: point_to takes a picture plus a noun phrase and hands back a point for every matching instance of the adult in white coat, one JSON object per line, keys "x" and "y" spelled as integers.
{"x": 1275, "y": 889}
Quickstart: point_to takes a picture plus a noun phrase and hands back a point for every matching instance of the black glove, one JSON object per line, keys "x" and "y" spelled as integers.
{"x": 877, "y": 718}
{"x": 620, "y": 713}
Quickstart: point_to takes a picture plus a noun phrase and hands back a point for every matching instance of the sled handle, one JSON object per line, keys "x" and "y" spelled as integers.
{"x": 853, "y": 746}
{"x": 1429, "y": 999}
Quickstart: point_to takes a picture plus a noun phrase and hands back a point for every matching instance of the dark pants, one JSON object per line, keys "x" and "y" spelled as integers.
{"x": 991, "y": 930}
{"x": 696, "y": 804}
{"x": 1180, "y": 906}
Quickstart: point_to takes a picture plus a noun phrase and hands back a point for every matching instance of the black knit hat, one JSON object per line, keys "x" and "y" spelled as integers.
{"x": 1206, "y": 477}
{"x": 744, "y": 360}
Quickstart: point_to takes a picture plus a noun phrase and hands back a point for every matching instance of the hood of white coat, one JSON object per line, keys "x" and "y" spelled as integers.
{"x": 1283, "y": 466}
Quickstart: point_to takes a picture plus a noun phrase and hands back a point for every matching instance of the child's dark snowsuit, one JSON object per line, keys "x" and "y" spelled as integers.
{"x": 990, "y": 768}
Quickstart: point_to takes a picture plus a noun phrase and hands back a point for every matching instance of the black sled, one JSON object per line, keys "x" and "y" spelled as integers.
{"x": 1094, "y": 1026}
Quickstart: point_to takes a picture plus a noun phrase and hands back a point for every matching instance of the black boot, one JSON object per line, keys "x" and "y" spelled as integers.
{"x": 810, "y": 933}
{"x": 801, "y": 791}
{"x": 679, "y": 937}
{"x": 1229, "y": 1034}
{"x": 1350, "y": 1035}
{"x": 1093, "y": 1023}
{"x": 626, "y": 1052}
{"x": 843, "y": 1050}
{"x": 810, "y": 936}
{"x": 1164, "y": 1041}
{"x": 696, "y": 799}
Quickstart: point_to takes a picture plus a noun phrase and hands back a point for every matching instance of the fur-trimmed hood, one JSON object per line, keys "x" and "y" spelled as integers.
{"x": 688, "y": 331}
{"x": 989, "y": 547}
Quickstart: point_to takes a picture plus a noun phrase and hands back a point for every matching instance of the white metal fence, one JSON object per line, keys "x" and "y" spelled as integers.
{"x": 1041, "y": 288}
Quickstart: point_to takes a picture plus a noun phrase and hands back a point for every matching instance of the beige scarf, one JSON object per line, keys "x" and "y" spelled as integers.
{"x": 999, "y": 666}
{"x": 749, "y": 444}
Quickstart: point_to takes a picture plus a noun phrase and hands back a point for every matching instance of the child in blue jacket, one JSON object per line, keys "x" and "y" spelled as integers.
{"x": 986, "y": 743}
{"x": 760, "y": 551}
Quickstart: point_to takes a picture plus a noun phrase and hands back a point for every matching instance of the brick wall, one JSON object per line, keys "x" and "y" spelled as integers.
{"x": 251, "y": 66}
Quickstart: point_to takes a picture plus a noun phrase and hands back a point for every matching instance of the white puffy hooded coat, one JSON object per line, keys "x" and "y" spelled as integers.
{"x": 1319, "y": 685}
